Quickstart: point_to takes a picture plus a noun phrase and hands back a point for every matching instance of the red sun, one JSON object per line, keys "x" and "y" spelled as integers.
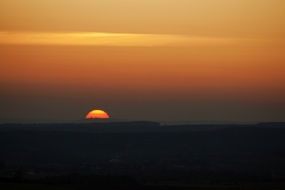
{"x": 97, "y": 114}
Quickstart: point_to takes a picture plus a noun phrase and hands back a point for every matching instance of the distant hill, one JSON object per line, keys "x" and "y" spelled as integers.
{"x": 271, "y": 124}
{"x": 146, "y": 151}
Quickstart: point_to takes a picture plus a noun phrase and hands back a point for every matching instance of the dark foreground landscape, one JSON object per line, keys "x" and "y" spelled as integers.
{"x": 142, "y": 155}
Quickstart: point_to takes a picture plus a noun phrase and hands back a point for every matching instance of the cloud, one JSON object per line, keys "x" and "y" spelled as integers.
{"x": 109, "y": 39}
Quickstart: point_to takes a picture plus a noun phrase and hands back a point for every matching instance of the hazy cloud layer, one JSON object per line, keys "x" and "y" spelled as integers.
{"x": 110, "y": 39}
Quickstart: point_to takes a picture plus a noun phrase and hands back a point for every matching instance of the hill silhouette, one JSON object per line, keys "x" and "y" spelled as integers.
{"x": 142, "y": 154}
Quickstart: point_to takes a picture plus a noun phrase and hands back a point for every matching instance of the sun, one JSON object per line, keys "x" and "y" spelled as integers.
{"x": 97, "y": 114}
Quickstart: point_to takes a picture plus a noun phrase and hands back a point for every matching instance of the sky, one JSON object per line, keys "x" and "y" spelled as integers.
{"x": 160, "y": 60}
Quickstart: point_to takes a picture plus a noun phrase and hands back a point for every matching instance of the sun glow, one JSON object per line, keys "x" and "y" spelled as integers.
{"x": 97, "y": 114}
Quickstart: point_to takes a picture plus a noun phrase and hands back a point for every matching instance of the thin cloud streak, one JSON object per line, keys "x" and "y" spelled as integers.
{"x": 110, "y": 39}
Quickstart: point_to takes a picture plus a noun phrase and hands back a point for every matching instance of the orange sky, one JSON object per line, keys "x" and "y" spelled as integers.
{"x": 206, "y": 60}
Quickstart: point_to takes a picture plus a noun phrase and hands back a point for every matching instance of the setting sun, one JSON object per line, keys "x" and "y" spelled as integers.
{"x": 97, "y": 114}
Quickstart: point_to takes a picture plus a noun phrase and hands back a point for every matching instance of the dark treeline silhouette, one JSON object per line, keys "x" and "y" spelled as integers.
{"x": 142, "y": 155}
